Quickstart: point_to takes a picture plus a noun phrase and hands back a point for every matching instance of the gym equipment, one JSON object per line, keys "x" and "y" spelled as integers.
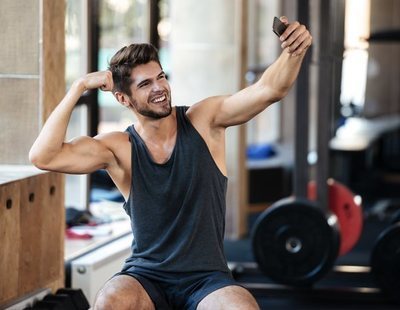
{"x": 395, "y": 217}
{"x": 295, "y": 242}
{"x": 297, "y": 246}
{"x": 385, "y": 261}
{"x": 347, "y": 207}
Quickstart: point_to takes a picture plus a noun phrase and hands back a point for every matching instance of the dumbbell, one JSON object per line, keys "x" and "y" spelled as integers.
{"x": 385, "y": 259}
{"x": 295, "y": 242}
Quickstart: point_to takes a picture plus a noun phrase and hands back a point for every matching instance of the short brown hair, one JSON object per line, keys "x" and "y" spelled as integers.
{"x": 127, "y": 58}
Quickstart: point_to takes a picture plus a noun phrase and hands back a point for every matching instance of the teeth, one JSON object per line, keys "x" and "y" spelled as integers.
{"x": 159, "y": 99}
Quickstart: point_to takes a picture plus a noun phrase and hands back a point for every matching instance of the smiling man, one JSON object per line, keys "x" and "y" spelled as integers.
{"x": 170, "y": 167}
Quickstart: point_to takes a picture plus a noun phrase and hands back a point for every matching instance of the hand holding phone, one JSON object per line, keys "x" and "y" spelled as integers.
{"x": 278, "y": 26}
{"x": 296, "y": 44}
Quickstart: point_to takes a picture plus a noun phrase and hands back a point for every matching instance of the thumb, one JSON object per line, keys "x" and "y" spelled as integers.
{"x": 284, "y": 20}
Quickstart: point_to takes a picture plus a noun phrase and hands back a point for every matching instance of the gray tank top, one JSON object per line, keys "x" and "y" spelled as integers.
{"x": 177, "y": 208}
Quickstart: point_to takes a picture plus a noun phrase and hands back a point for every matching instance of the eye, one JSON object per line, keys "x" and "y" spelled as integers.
{"x": 143, "y": 84}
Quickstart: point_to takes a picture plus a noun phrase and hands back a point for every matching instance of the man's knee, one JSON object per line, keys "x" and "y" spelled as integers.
{"x": 107, "y": 299}
{"x": 122, "y": 293}
{"x": 229, "y": 297}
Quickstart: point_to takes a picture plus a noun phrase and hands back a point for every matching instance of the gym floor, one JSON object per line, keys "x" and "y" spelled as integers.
{"x": 332, "y": 292}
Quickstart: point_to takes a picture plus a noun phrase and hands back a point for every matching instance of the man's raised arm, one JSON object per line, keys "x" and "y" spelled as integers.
{"x": 81, "y": 155}
{"x": 273, "y": 85}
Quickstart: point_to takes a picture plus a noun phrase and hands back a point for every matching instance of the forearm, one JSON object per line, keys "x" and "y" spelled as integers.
{"x": 281, "y": 75}
{"x": 51, "y": 138}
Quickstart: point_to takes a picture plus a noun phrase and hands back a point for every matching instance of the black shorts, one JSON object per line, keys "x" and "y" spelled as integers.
{"x": 179, "y": 290}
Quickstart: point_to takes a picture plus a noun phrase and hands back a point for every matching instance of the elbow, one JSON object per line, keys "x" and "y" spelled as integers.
{"x": 33, "y": 157}
{"x": 37, "y": 160}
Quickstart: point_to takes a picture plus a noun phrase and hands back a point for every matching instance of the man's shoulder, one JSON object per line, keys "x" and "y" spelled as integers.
{"x": 117, "y": 142}
{"x": 113, "y": 137}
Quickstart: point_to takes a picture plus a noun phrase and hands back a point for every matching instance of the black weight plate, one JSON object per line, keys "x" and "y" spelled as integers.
{"x": 295, "y": 242}
{"x": 385, "y": 261}
{"x": 395, "y": 217}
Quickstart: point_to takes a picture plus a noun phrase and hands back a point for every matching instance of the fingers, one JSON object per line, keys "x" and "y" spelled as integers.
{"x": 303, "y": 46}
{"x": 100, "y": 79}
{"x": 296, "y": 39}
{"x": 107, "y": 82}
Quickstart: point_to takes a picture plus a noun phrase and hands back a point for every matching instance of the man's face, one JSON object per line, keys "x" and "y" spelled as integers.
{"x": 151, "y": 93}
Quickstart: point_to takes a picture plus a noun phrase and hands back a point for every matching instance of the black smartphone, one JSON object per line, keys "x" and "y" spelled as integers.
{"x": 278, "y": 27}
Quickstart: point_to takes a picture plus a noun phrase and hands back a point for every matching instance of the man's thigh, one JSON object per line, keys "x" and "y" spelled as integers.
{"x": 229, "y": 297}
{"x": 123, "y": 292}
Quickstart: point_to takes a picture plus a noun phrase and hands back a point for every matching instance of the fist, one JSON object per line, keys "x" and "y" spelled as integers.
{"x": 100, "y": 79}
{"x": 296, "y": 39}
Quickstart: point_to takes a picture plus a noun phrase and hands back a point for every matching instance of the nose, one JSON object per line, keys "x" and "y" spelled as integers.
{"x": 160, "y": 86}
{"x": 157, "y": 86}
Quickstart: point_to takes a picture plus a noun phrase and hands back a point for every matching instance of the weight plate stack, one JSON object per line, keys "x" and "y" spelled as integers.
{"x": 385, "y": 261}
{"x": 295, "y": 242}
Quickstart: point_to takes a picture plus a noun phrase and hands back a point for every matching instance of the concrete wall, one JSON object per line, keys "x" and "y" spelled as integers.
{"x": 31, "y": 72}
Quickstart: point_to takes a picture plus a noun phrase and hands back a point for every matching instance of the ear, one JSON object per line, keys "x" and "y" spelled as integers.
{"x": 122, "y": 99}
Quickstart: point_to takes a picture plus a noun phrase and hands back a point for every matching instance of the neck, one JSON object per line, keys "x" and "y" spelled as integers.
{"x": 157, "y": 129}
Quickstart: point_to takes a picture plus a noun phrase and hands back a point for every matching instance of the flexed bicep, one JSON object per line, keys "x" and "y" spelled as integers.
{"x": 84, "y": 155}
{"x": 78, "y": 156}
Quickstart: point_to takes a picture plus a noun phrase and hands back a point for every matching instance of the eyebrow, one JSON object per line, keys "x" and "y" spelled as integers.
{"x": 147, "y": 80}
{"x": 142, "y": 82}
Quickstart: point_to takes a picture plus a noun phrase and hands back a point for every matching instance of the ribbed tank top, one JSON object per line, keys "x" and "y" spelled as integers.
{"x": 177, "y": 208}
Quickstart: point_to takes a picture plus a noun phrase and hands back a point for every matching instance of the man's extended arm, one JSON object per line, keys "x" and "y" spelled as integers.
{"x": 273, "y": 85}
{"x": 81, "y": 155}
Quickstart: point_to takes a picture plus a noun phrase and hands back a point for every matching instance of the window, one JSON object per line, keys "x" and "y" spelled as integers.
{"x": 121, "y": 22}
{"x": 355, "y": 58}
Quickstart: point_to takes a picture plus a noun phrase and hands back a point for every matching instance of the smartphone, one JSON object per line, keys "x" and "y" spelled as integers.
{"x": 278, "y": 27}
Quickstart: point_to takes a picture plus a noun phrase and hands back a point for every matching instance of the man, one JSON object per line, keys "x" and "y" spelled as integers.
{"x": 170, "y": 168}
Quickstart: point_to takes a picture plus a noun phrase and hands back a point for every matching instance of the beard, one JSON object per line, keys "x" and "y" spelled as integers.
{"x": 163, "y": 111}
